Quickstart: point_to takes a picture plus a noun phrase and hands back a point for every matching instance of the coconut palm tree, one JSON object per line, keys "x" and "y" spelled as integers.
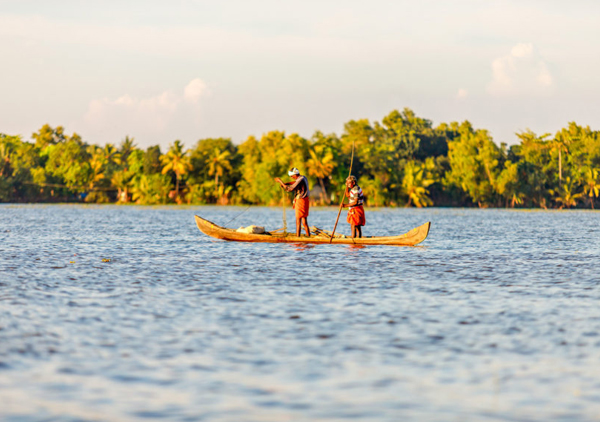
{"x": 5, "y": 156}
{"x": 592, "y": 184}
{"x": 151, "y": 189}
{"x": 561, "y": 144}
{"x": 321, "y": 164}
{"x": 96, "y": 171}
{"x": 566, "y": 194}
{"x": 415, "y": 182}
{"x": 509, "y": 184}
{"x": 95, "y": 174}
{"x": 177, "y": 161}
{"x": 218, "y": 162}
{"x": 121, "y": 180}
{"x": 110, "y": 153}
{"x": 375, "y": 193}
{"x": 125, "y": 149}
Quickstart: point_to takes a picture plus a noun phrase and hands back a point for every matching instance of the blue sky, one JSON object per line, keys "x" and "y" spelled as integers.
{"x": 166, "y": 70}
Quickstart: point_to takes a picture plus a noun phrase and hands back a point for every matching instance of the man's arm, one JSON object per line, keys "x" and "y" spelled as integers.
{"x": 352, "y": 200}
{"x": 278, "y": 180}
{"x": 292, "y": 185}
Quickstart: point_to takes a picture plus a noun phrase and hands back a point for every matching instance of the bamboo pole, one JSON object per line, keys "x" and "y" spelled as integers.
{"x": 343, "y": 196}
{"x": 283, "y": 205}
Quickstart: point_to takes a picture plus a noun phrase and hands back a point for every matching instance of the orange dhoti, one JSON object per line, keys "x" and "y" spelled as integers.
{"x": 356, "y": 216}
{"x": 301, "y": 205}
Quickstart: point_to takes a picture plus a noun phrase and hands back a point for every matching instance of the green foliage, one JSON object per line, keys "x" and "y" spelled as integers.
{"x": 591, "y": 181}
{"x": 151, "y": 160}
{"x": 151, "y": 189}
{"x": 474, "y": 164}
{"x": 417, "y": 178}
{"x": 70, "y": 163}
{"x": 567, "y": 193}
{"x": 401, "y": 160}
{"x": 177, "y": 162}
{"x": 510, "y": 185}
{"x": 374, "y": 191}
{"x": 49, "y": 136}
{"x": 251, "y": 157}
{"x": 270, "y": 157}
{"x": 321, "y": 163}
{"x": 215, "y": 166}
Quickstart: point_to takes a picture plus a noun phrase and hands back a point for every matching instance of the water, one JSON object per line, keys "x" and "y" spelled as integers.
{"x": 130, "y": 313}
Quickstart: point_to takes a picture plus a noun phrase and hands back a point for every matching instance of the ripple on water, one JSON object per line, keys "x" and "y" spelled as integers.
{"x": 128, "y": 313}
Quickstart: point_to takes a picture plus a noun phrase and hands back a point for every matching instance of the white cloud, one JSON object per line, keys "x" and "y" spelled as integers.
{"x": 462, "y": 93}
{"x": 195, "y": 90}
{"x": 522, "y": 72}
{"x": 522, "y": 50}
{"x": 148, "y": 119}
{"x": 154, "y": 112}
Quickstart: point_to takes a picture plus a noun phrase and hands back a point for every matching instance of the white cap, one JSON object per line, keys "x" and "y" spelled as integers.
{"x": 294, "y": 171}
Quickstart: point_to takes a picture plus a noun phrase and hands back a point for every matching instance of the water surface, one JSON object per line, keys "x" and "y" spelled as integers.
{"x": 130, "y": 313}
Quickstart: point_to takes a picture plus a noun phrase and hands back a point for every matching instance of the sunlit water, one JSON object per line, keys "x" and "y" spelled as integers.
{"x": 130, "y": 313}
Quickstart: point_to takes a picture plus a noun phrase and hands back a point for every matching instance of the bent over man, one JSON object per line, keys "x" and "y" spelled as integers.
{"x": 299, "y": 185}
{"x": 356, "y": 212}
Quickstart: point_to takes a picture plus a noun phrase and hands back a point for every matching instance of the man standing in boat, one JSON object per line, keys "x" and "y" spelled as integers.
{"x": 301, "y": 202}
{"x": 356, "y": 212}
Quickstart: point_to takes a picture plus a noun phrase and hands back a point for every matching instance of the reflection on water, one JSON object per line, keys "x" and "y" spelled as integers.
{"x": 302, "y": 246}
{"x": 130, "y": 313}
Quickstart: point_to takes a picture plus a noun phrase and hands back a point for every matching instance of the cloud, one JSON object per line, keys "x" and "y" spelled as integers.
{"x": 154, "y": 112}
{"x": 195, "y": 90}
{"x": 522, "y": 72}
{"x": 462, "y": 93}
{"x": 522, "y": 50}
{"x": 148, "y": 119}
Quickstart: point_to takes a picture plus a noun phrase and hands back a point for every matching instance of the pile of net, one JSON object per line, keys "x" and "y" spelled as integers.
{"x": 251, "y": 230}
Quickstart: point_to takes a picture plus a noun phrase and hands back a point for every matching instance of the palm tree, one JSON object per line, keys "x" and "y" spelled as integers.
{"x": 374, "y": 192}
{"x": 95, "y": 175}
{"x": 509, "y": 184}
{"x": 592, "y": 184}
{"x": 121, "y": 180}
{"x": 177, "y": 161}
{"x": 561, "y": 144}
{"x": 415, "y": 183}
{"x": 566, "y": 194}
{"x": 125, "y": 149}
{"x": 151, "y": 189}
{"x": 109, "y": 153}
{"x": 218, "y": 162}
{"x": 321, "y": 164}
{"x": 5, "y": 157}
{"x": 140, "y": 189}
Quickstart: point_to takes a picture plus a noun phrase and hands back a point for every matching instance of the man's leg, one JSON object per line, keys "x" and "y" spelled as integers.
{"x": 353, "y": 230}
{"x": 359, "y": 231}
{"x": 298, "y": 225}
{"x": 305, "y": 221}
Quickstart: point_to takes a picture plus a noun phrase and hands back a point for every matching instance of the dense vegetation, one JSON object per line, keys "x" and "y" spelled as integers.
{"x": 403, "y": 160}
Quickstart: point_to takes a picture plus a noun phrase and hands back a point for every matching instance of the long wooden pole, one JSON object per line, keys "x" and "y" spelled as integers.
{"x": 283, "y": 195}
{"x": 343, "y": 195}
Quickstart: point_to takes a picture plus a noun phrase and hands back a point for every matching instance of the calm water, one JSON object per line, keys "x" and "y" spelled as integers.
{"x": 496, "y": 317}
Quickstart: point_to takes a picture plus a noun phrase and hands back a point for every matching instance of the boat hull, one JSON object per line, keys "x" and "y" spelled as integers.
{"x": 411, "y": 238}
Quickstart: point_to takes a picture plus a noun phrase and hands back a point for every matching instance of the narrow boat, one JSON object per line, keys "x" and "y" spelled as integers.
{"x": 411, "y": 238}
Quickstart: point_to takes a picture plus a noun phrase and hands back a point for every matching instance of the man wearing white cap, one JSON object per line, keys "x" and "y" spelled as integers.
{"x": 301, "y": 201}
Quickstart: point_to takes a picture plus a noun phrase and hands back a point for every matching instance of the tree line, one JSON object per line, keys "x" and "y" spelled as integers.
{"x": 401, "y": 161}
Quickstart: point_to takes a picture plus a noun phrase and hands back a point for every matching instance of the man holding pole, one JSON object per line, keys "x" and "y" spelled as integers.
{"x": 356, "y": 212}
{"x": 299, "y": 185}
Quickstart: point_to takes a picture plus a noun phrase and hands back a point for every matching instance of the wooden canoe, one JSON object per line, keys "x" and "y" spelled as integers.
{"x": 411, "y": 238}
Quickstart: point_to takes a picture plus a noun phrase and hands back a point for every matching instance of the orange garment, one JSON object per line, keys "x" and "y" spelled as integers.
{"x": 301, "y": 205}
{"x": 356, "y": 216}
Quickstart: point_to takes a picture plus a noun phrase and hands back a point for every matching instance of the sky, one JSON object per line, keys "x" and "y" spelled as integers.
{"x": 159, "y": 71}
